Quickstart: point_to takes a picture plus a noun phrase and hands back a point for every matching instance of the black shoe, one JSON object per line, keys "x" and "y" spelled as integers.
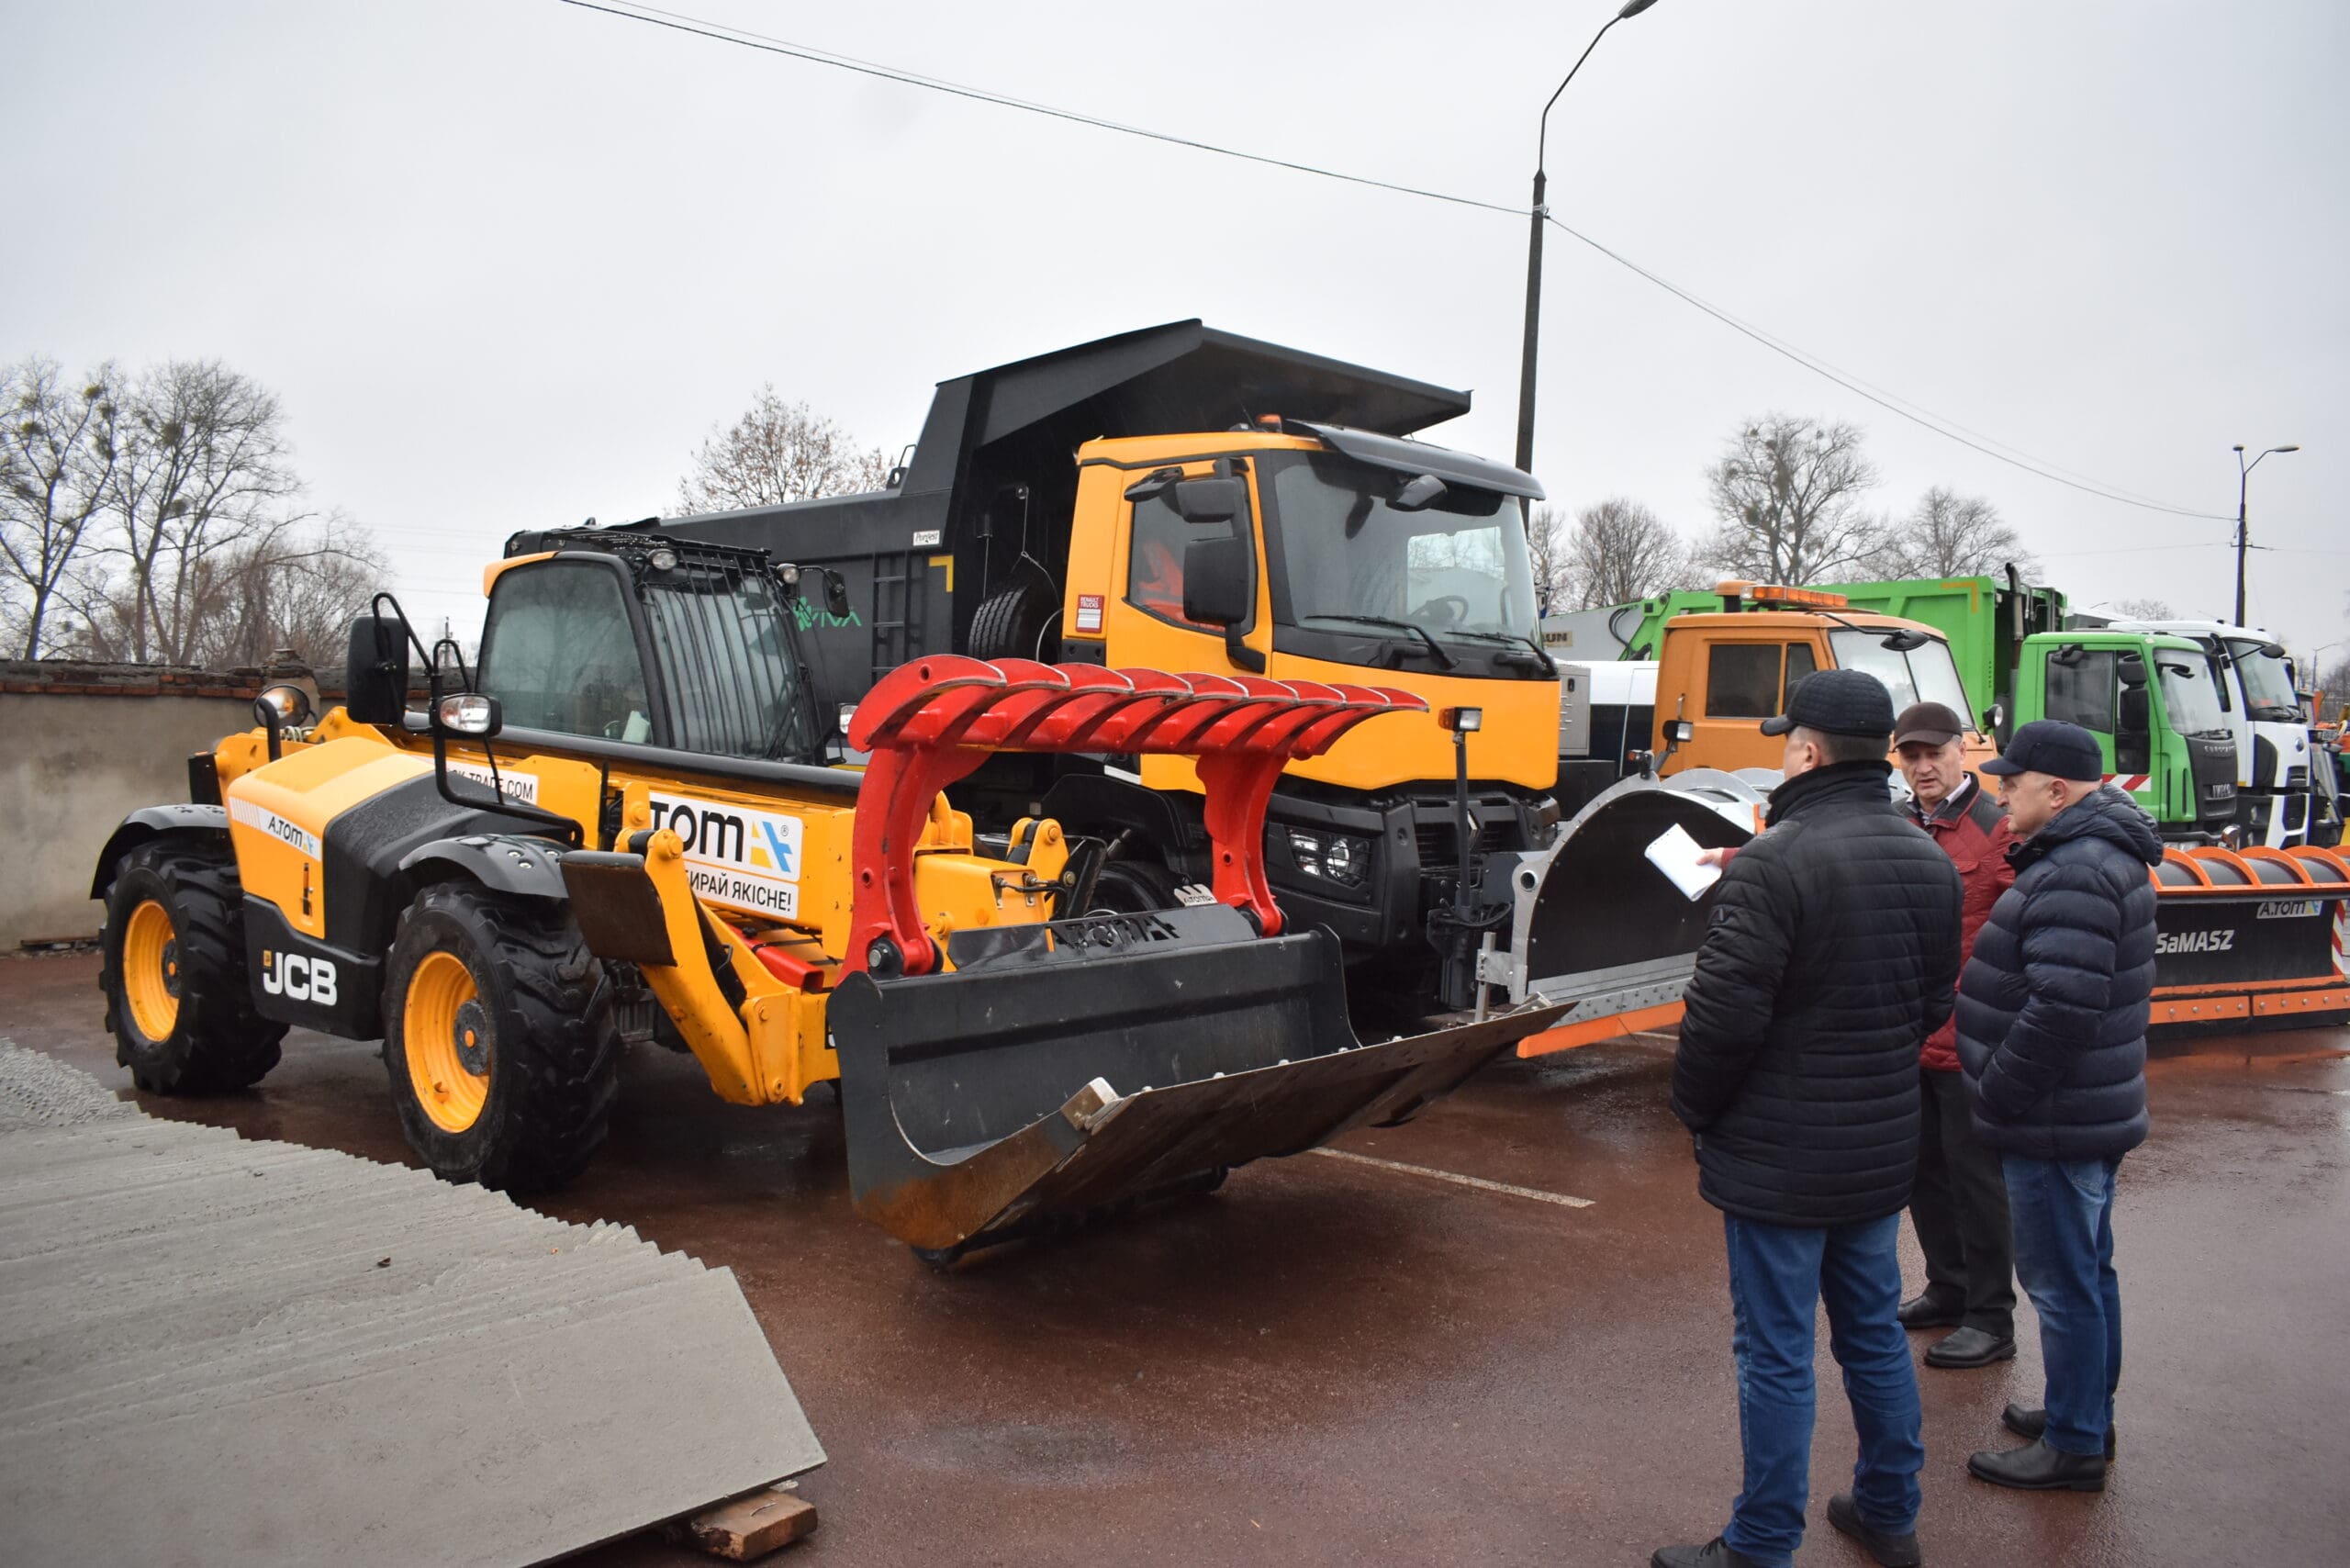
{"x": 1715, "y": 1553}
{"x": 2026, "y": 1423}
{"x": 1928, "y": 1310}
{"x": 1890, "y": 1550}
{"x": 1971, "y": 1348}
{"x": 2036, "y": 1467}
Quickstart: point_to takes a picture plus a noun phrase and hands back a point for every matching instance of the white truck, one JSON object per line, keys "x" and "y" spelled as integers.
{"x": 2274, "y": 785}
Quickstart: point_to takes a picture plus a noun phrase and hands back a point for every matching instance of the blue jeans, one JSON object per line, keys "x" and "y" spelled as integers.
{"x": 2062, "y": 1214}
{"x": 1778, "y": 1278}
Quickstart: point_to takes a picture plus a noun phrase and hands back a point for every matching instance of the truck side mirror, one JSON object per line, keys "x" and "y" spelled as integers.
{"x": 1210, "y": 499}
{"x": 2131, "y": 714}
{"x": 835, "y": 594}
{"x": 1215, "y": 581}
{"x": 1217, "y": 591}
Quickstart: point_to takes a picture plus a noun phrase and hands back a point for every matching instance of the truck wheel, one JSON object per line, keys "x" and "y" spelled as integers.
{"x": 173, "y": 974}
{"x": 497, "y": 1038}
{"x": 1133, "y": 887}
{"x": 1011, "y": 624}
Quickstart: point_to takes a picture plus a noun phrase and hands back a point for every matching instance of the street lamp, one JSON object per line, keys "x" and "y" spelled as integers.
{"x": 1534, "y": 247}
{"x": 2243, "y": 476}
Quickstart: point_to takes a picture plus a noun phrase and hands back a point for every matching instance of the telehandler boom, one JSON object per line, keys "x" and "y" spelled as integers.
{"x": 621, "y": 831}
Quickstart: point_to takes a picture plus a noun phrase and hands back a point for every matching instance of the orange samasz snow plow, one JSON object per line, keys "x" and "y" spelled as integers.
{"x": 2251, "y": 939}
{"x": 619, "y": 830}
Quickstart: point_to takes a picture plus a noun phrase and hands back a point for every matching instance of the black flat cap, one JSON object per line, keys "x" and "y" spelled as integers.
{"x": 2050, "y": 746}
{"x": 1837, "y": 702}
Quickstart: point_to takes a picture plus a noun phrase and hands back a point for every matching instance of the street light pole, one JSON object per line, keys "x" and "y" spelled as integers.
{"x": 2243, "y": 482}
{"x": 1534, "y": 247}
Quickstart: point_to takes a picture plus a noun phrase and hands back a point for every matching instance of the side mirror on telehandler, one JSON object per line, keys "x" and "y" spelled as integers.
{"x": 835, "y": 594}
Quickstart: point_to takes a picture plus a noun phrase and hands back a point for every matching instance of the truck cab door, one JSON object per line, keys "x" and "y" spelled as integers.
{"x": 1732, "y": 683}
{"x": 1191, "y": 567}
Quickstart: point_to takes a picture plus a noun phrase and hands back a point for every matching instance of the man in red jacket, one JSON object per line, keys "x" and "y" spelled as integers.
{"x": 1959, "y": 1204}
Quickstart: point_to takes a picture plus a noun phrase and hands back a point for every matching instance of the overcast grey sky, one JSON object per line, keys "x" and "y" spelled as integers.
{"x": 507, "y": 261}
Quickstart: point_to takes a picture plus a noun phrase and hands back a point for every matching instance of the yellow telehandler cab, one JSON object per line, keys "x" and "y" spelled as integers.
{"x": 623, "y": 830}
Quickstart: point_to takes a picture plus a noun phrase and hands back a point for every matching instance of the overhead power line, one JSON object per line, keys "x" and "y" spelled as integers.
{"x": 1950, "y": 429}
{"x": 761, "y": 41}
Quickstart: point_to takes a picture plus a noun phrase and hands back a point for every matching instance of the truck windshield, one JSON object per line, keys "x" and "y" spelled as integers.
{"x": 2189, "y": 696}
{"x": 1455, "y": 569}
{"x": 1922, "y": 675}
{"x": 2268, "y": 683}
{"x": 734, "y": 685}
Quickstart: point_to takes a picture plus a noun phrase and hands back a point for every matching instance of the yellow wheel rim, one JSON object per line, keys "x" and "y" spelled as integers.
{"x": 445, "y": 1033}
{"x": 151, "y": 970}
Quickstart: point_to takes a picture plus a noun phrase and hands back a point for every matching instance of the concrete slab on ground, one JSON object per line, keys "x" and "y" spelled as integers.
{"x": 215, "y": 1351}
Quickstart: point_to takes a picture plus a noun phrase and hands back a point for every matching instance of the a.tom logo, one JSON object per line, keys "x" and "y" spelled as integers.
{"x": 263, "y": 818}
{"x": 515, "y": 786}
{"x": 737, "y": 855}
{"x": 297, "y": 979}
{"x": 2290, "y": 909}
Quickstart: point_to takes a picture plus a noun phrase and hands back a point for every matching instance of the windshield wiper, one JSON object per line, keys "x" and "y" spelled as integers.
{"x": 1435, "y": 648}
{"x": 1542, "y": 656}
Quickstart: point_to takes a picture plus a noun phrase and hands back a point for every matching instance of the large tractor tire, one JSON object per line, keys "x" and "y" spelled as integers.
{"x": 177, "y": 998}
{"x": 498, "y": 1038}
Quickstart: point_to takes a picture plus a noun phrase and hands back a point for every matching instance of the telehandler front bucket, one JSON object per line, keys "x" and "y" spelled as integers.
{"x": 1057, "y": 1071}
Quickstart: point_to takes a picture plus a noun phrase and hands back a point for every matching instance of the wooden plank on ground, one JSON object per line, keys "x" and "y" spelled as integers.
{"x": 753, "y": 1525}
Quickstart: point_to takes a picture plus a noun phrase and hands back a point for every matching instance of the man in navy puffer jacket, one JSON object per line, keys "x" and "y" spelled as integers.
{"x": 2052, "y": 1038}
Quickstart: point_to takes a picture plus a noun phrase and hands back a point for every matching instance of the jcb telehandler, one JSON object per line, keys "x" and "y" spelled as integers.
{"x": 620, "y": 829}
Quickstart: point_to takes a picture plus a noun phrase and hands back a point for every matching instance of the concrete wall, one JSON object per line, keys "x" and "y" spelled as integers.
{"x": 74, "y": 761}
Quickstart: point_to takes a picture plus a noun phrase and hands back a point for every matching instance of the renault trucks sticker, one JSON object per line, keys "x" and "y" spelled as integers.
{"x": 735, "y": 855}
{"x": 277, "y": 827}
{"x": 516, "y": 785}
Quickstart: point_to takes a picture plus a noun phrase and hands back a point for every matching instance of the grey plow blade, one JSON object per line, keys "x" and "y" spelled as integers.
{"x": 1134, "y": 1056}
{"x": 1598, "y": 929}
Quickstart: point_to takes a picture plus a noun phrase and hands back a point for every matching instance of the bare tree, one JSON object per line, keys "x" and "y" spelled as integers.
{"x": 1620, "y": 551}
{"x": 1787, "y": 492}
{"x": 57, "y": 458}
{"x": 1950, "y": 535}
{"x": 777, "y": 451}
{"x": 203, "y": 469}
{"x": 1545, "y": 554}
{"x": 295, "y": 588}
{"x": 2144, "y": 609}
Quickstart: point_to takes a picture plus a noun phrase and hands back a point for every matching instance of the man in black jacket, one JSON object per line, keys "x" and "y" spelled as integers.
{"x": 2051, "y": 1038}
{"x": 1831, "y": 954}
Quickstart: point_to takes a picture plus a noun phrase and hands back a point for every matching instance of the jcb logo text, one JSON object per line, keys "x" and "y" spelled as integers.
{"x": 299, "y": 979}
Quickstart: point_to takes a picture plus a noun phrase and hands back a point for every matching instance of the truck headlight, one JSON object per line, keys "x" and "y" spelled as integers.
{"x": 1340, "y": 858}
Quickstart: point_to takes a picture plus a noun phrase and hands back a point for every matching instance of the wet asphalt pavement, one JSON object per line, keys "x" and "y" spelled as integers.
{"x": 1332, "y": 1361}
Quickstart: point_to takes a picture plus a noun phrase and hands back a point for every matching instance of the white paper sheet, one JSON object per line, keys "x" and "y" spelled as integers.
{"x": 1674, "y": 853}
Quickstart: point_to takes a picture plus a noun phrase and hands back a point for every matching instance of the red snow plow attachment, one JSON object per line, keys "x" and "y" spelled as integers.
{"x": 1031, "y": 1074}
